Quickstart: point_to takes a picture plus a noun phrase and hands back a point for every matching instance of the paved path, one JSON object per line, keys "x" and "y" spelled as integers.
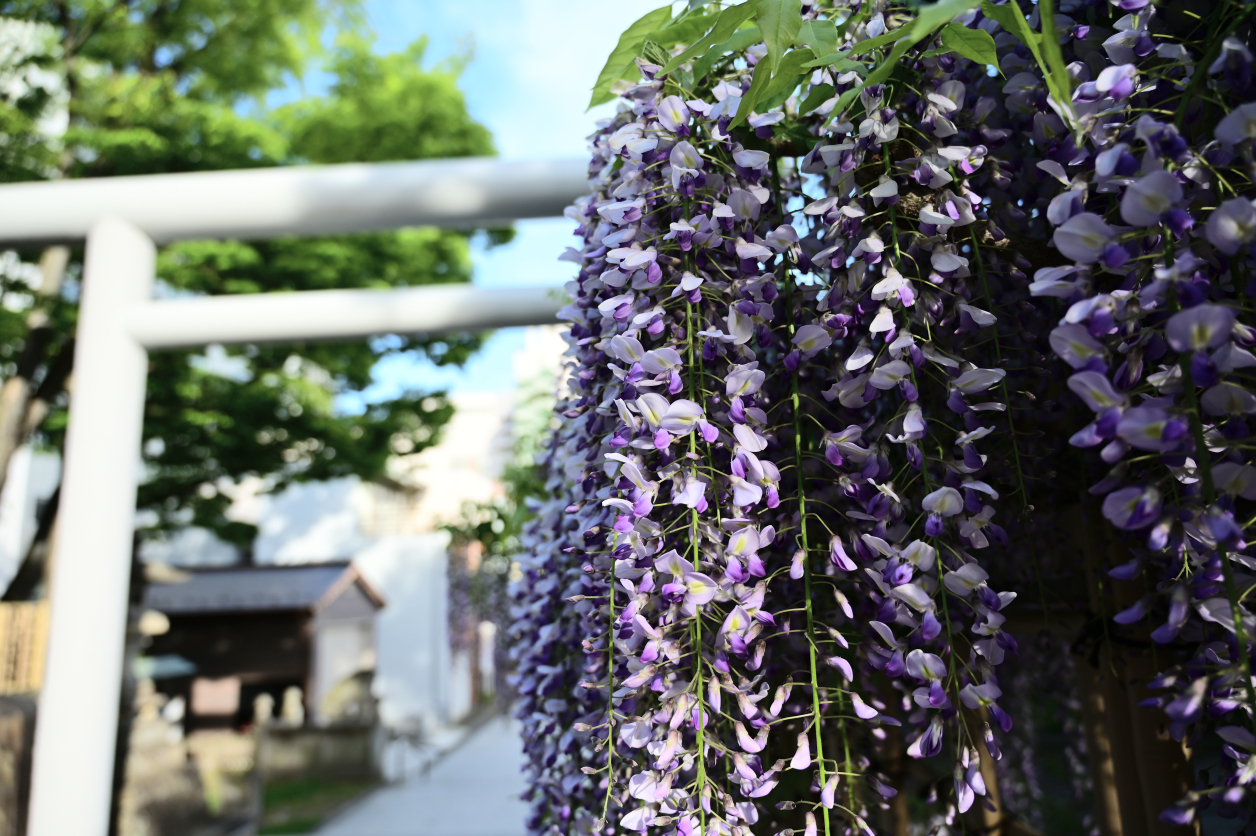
{"x": 474, "y": 791}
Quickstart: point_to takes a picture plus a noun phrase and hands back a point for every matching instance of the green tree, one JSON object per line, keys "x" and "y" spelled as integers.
{"x": 384, "y": 107}
{"x": 179, "y": 85}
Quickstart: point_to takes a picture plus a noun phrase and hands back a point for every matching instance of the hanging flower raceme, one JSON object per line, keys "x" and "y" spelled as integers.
{"x": 1151, "y": 324}
{"x": 814, "y": 300}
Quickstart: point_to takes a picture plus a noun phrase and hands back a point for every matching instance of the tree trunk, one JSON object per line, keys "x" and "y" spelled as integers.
{"x": 15, "y": 395}
{"x": 1114, "y": 776}
{"x": 1164, "y": 768}
{"x": 896, "y": 770}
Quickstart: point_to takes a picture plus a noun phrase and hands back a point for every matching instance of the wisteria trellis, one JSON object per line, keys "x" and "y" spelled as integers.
{"x": 828, "y": 250}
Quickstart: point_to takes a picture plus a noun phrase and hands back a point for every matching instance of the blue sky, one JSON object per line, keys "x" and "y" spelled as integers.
{"x": 534, "y": 62}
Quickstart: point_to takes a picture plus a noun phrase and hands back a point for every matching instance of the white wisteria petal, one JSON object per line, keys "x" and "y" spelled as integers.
{"x": 945, "y": 502}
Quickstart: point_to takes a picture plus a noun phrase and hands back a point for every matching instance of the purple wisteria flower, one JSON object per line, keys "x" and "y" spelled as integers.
{"x": 1084, "y": 237}
{"x": 810, "y": 431}
{"x": 1232, "y": 225}
{"x": 1200, "y": 328}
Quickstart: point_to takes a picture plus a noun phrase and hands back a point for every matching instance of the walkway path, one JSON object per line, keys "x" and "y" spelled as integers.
{"x": 472, "y": 792}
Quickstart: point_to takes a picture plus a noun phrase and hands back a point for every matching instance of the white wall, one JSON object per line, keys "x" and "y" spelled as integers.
{"x": 412, "y": 631}
{"x": 341, "y": 649}
{"x": 310, "y": 522}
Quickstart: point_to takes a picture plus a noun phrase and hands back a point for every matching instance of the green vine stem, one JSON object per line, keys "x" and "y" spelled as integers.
{"x": 610, "y": 689}
{"x": 691, "y": 371}
{"x": 806, "y": 576}
{"x": 702, "y": 713}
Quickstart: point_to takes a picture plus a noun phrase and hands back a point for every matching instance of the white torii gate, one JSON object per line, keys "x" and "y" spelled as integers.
{"x": 122, "y": 219}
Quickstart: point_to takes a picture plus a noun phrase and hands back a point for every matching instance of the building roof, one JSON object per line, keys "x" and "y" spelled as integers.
{"x": 307, "y": 587}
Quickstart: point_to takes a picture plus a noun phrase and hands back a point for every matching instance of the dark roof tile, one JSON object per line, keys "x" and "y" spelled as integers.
{"x": 240, "y": 589}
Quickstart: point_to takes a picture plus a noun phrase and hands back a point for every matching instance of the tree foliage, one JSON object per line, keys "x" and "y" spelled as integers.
{"x": 181, "y": 85}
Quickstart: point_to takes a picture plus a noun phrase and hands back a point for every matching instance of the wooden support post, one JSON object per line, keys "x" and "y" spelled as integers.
{"x": 1164, "y": 769}
{"x": 1099, "y": 749}
{"x": 1161, "y": 763}
{"x": 1137, "y": 770}
{"x": 993, "y": 820}
{"x": 896, "y": 769}
{"x": 1105, "y": 704}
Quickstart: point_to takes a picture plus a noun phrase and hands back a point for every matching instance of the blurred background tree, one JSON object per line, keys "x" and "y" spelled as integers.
{"x": 99, "y": 88}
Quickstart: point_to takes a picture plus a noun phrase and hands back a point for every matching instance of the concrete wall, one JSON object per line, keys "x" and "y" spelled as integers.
{"x": 343, "y": 752}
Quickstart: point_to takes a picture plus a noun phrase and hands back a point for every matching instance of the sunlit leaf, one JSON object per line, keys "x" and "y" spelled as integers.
{"x": 930, "y": 17}
{"x": 879, "y": 74}
{"x": 839, "y": 62}
{"x": 879, "y": 41}
{"x": 737, "y": 43}
{"x": 682, "y": 30}
{"x": 1012, "y": 21}
{"x": 820, "y": 94}
{"x": 820, "y": 35}
{"x": 758, "y": 84}
{"x": 780, "y": 22}
{"x": 726, "y": 24}
{"x": 926, "y": 22}
{"x": 789, "y": 74}
{"x": 1055, "y": 71}
{"x": 621, "y": 59}
{"x": 973, "y": 44}
{"x": 764, "y": 90}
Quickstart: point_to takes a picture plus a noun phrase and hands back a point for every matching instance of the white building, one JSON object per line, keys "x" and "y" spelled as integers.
{"x": 392, "y": 534}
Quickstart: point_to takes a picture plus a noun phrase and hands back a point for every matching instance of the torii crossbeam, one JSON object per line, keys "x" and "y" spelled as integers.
{"x": 122, "y": 219}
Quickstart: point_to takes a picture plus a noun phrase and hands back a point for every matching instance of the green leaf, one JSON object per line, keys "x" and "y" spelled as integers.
{"x": 1013, "y": 22}
{"x": 726, "y": 24}
{"x": 973, "y": 44}
{"x": 682, "y": 30}
{"x": 1011, "y": 19}
{"x": 863, "y": 46}
{"x": 1055, "y": 71}
{"x": 652, "y": 52}
{"x": 839, "y": 62}
{"x": 788, "y": 75}
{"x": 927, "y": 20}
{"x": 780, "y": 21}
{"x": 780, "y": 85}
{"x": 737, "y": 43}
{"x": 758, "y": 84}
{"x": 879, "y": 41}
{"x": 879, "y": 74}
{"x": 620, "y": 60}
{"x": 819, "y": 94}
{"x": 934, "y": 15}
{"x": 820, "y": 35}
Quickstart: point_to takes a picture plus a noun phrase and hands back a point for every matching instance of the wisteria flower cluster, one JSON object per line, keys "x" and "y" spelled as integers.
{"x": 828, "y": 250}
